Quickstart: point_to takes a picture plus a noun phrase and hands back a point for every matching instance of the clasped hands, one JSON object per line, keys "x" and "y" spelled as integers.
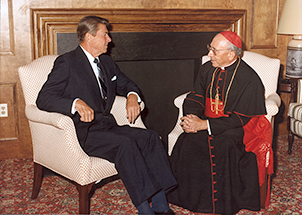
{"x": 192, "y": 123}
{"x": 87, "y": 113}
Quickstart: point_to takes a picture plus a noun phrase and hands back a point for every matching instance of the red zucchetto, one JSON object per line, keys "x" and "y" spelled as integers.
{"x": 233, "y": 38}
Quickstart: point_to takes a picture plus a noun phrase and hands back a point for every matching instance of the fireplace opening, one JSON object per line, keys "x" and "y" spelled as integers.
{"x": 163, "y": 65}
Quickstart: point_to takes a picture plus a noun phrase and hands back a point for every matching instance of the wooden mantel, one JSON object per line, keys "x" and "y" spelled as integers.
{"x": 46, "y": 23}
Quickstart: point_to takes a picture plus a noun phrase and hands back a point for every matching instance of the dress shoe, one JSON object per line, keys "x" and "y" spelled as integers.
{"x": 168, "y": 212}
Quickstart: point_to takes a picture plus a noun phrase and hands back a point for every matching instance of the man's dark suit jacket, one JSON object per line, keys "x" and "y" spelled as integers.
{"x": 72, "y": 77}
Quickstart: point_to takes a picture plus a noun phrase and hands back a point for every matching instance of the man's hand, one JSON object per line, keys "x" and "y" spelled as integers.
{"x": 132, "y": 107}
{"x": 192, "y": 123}
{"x": 86, "y": 112}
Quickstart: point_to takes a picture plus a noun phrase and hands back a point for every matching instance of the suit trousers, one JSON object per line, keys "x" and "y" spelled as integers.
{"x": 139, "y": 157}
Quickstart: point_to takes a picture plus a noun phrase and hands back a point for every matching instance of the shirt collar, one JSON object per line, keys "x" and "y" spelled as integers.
{"x": 89, "y": 56}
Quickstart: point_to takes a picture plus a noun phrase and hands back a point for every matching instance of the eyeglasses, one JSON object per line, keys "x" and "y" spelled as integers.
{"x": 210, "y": 48}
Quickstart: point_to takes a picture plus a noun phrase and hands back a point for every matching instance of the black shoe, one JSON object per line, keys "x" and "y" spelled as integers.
{"x": 168, "y": 212}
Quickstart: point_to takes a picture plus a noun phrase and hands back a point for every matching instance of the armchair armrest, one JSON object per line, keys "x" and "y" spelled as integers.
{"x": 272, "y": 103}
{"x": 178, "y": 101}
{"x": 61, "y": 121}
{"x": 119, "y": 112}
{"x": 34, "y": 114}
{"x": 177, "y": 130}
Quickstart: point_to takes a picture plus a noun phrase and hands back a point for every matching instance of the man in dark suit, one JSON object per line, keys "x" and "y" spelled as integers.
{"x": 83, "y": 84}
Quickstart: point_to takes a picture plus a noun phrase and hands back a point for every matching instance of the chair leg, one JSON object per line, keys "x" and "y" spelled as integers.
{"x": 84, "y": 198}
{"x": 290, "y": 137}
{"x": 290, "y": 142}
{"x": 38, "y": 177}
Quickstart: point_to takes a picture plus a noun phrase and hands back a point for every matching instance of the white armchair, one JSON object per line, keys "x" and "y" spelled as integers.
{"x": 268, "y": 70}
{"x": 55, "y": 144}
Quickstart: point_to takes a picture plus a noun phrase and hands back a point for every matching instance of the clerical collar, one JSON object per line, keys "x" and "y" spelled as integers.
{"x": 223, "y": 67}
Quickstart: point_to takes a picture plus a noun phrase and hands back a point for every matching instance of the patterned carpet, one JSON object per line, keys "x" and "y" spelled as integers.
{"x": 59, "y": 196}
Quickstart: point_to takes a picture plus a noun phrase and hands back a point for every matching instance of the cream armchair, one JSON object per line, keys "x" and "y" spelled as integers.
{"x": 55, "y": 144}
{"x": 268, "y": 70}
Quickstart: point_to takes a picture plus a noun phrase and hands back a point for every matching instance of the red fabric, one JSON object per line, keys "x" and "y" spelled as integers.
{"x": 258, "y": 139}
{"x": 233, "y": 38}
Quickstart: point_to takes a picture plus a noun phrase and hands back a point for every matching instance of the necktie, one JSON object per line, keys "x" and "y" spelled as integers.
{"x": 101, "y": 79}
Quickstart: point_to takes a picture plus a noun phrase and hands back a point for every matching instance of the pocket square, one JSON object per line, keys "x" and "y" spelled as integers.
{"x": 114, "y": 78}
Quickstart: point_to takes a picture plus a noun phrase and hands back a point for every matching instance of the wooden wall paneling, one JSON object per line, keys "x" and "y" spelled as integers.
{"x": 264, "y": 24}
{"x": 9, "y": 125}
{"x": 7, "y": 40}
{"x": 53, "y": 31}
{"x": 48, "y": 22}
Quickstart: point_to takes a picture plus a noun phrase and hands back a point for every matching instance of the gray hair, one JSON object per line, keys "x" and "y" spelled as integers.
{"x": 232, "y": 47}
{"x": 90, "y": 24}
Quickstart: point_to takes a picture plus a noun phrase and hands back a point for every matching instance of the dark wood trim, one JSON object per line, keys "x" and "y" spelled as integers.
{"x": 46, "y": 23}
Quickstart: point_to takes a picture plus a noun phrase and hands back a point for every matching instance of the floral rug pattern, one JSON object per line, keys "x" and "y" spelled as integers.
{"x": 59, "y": 196}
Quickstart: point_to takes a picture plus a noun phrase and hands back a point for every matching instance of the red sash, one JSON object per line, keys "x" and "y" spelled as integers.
{"x": 258, "y": 139}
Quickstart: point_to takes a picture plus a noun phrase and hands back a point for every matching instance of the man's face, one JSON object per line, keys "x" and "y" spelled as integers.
{"x": 99, "y": 42}
{"x": 219, "y": 53}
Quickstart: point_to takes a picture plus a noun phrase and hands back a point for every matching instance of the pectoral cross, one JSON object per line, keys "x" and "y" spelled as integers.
{"x": 217, "y": 103}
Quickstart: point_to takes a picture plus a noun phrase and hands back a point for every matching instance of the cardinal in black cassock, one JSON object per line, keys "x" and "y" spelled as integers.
{"x": 214, "y": 171}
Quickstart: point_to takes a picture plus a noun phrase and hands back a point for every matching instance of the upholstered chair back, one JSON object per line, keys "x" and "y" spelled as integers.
{"x": 32, "y": 81}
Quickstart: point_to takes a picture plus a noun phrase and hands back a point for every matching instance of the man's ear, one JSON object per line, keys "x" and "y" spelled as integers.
{"x": 88, "y": 37}
{"x": 231, "y": 55}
